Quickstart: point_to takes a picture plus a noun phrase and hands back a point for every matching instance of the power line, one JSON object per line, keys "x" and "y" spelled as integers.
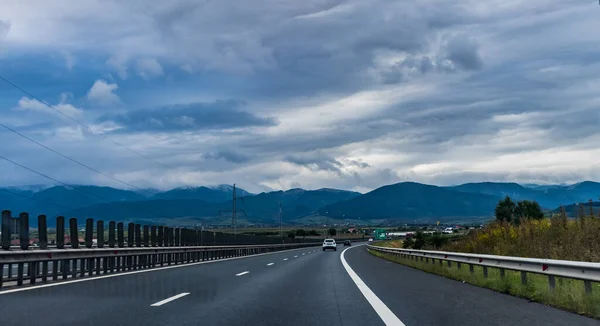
{"x": 51, "y": 178}
{"x": 64, "y": 184}
{"x": 83, "y": 124}
{"x": 76, "y": 161}
{"x": 36, "y": 199}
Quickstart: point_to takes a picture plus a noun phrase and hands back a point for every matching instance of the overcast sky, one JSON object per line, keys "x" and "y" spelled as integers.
{"x": 274, "y": 94}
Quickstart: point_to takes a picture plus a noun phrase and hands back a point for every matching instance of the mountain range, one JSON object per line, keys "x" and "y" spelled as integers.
{"x": 402, "y": 201}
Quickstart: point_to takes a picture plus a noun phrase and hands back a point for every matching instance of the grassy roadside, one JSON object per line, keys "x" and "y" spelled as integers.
{"x": 568, "y": 295}
{"x": 390, "y": 243}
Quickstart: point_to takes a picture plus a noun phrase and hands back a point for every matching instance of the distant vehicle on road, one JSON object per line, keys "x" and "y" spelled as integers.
{"x": 347, "y": 243}
{"x": 329, "y": 244}
{"x": 370, "y": 239}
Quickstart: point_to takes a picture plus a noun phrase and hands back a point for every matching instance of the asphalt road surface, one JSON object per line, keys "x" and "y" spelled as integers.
{"x": 297, "y": 287}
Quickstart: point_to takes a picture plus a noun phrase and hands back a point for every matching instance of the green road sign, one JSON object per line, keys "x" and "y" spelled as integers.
{"x": 380, "y": 234}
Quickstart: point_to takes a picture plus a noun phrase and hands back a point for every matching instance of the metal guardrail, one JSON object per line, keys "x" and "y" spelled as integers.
{"x": 587, "y": 272}
{"x": 27, "y": 267}
{"x": 117, "y": 234}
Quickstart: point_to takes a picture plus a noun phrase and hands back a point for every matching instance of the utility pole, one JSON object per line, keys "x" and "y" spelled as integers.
{"x": 233, "y": 217}
{"x": 280, "y": 221}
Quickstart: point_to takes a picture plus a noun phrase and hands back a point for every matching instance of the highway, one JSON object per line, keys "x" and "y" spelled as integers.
{"x": 297, "y": 287}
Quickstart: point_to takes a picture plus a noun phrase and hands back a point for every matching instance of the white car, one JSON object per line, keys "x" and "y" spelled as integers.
{"x": 370, "y": 239}
{"x": 329, "y": 244}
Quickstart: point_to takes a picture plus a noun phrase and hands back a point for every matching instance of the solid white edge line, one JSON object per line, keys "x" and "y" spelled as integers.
{"x": 270, "y": 264}
{"x": 242, "y": 273}
{"x": 175, "y": 297}
{"x": 135, "y": 272}
{"x": 388, "y": 317}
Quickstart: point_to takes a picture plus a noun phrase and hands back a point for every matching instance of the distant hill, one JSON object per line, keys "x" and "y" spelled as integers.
{"x": 572, "y": 210}
{"x": 295, "y": 203}
{"x": 16, "y": 200}
{"x": 151, "y": 211}
{"x": 406, "y": 200}
{"x": 579, "y": 192}
{"x": 263, "y": 207}
{"x": 410, "y": 200}
{"x": 513, "y": 190}
{"x": 53, "y": 200}
{"x": 548, "y": 196}
{"x": 215, "y": 194}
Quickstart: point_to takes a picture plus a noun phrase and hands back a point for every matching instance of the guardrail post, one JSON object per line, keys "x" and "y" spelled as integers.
{"x": 167, "y": 238}
{"x": 153, "y": 235}
{"x": 130, "y": 234}
{"x": 502, "y": 272}
{"x": 171, "y": 237}
{"x": 138, "y": 235}
{"x": 42, "y": 232}
{"x": 177, "y": 237}
{"x": 100, "y": 233}
{"x": 524, "y": 278}
{"x": 6, "y": 229}
{"x": 120, "y": 235}
{"x": 73, "y": 233}
{"x": 471, "y": 268}
{"x": 588, "y": 287}
{"x": 111, "y": 234}
{"x": 146, "y": 236}
{"x": 551, "y": 282}
{"x": 24, "y": 225}
{"x": 485, "y": 271}
{"x": 161, "y": 234}
{"x": 89, "y": 232}
{"x": 60, "y": 232}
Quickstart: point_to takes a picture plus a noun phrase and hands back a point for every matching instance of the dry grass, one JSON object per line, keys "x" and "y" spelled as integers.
{"x": 568, "y": 294}
{"x": 390, "y": 243}
{"x": 553, "y": 238}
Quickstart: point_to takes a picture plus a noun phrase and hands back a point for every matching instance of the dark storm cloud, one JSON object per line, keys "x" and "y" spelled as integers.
{"x": 462, "y": 51}
{"x": 197, "y": 116}
{"x": 231, "y": 156}
{"x": 316, "y": 161}
{"x": 361, "y": 165}
{"x": 457, "y": 53}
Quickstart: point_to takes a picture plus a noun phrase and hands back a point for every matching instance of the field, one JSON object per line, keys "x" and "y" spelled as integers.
{"x": 552, "y": 238}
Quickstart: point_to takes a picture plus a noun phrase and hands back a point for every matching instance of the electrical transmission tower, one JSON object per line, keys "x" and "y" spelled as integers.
{"x": 234, "y": 211}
